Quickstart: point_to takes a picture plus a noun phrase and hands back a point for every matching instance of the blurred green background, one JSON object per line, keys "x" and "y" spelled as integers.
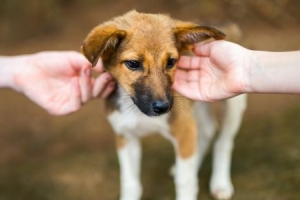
{"x": 43, "y": 157}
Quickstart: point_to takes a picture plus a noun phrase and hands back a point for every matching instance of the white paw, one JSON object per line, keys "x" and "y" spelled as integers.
{"x": 131, "y": 192}
{"x": 222, "y": 191}
{"x": 132, "y": 197}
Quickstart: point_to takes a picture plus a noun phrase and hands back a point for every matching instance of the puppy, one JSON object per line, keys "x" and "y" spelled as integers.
{"x": 141, "y": 51}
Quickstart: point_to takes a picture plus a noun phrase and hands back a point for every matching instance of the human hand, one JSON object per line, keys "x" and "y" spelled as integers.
{"x": 218, "y": 70}
{"x": 61, "y": 82}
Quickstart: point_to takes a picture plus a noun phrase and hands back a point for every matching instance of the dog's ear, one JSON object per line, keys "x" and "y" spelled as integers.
{"x": 101, "y": 42}
{"x": 188, "y": 33}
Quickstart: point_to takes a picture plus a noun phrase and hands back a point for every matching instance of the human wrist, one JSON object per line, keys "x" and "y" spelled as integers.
{"x": 243, "y": 71}
{"x": 10, "y": 68}
{"x": 254, "y": 70}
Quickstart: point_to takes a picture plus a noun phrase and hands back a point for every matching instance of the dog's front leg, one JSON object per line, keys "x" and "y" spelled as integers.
{"x": 129, "y": 154}
{"x": 220, "y": 184}
{"x": 186, "y": 178}
{"x": 186, "y": 181}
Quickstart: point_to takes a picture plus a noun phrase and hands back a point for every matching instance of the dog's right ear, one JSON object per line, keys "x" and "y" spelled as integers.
{"x": 101, "y": 42}
{"x": 187, "y": 34}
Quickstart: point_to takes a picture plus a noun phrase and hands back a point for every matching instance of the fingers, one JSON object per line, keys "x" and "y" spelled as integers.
{"x": 85, "y": 84}
{"x": 189, "y": 75}
{"x": 188, "y": 89}
{"x": 80, "y": 63}
{"x": 203, "y": 49}
{"x": 76, "y": 60}
{"x": 209, "y": 49}
{"x": 109, "y": 88}
{"x": 183, "y": 82}
{"x": 99, "y": 66}
{"x": 189, "y": 62}
{"x": 103, "y": 86}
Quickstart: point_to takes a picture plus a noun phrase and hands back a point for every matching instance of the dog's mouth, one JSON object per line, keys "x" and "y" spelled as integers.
{"x": 155, "y": 107}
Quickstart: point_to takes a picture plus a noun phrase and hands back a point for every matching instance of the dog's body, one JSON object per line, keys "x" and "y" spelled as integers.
{"x": 140, "y": 51}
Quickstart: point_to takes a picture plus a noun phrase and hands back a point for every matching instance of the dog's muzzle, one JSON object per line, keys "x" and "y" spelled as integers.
{"x": 154, "y": 108}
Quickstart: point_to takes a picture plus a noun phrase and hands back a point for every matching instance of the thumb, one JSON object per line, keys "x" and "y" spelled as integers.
{"x": 203, "y": 49}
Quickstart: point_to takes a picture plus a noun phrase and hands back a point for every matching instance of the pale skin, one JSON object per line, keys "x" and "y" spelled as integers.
{"x": 58, "y": 81}
{"x": 222, "y": 69}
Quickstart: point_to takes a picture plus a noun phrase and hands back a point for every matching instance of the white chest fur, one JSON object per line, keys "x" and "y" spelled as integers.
{"x": 129, "y": 120}
{"x": 137, "y": 123}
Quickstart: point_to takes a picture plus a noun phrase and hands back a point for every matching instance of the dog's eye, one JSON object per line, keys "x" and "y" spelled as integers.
{"x": 171, "y": 63}
{"x": 133, "y": 65}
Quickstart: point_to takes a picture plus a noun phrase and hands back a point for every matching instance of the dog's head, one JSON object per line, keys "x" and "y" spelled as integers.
{"x": 140, "y": 51}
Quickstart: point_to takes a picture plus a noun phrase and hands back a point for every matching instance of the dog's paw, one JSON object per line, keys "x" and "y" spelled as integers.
{"x": 133, "y": 197}
{"x": 222, "y": 191}
{"x": 131, "y": 191}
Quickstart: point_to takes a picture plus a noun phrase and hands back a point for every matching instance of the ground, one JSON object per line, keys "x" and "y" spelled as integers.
{"x": 73, "y": 157}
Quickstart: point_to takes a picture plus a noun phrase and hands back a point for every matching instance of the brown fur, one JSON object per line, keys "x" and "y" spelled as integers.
{"x": 183, "y": 128}
{"x": 140, "y": 51}
{"x": 151, "y": 39}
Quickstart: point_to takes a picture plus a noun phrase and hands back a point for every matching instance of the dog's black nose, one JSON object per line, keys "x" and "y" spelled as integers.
{"x": 161, "y": 107}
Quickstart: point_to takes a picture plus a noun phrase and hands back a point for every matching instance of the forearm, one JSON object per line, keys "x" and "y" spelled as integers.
{"x": 274, "y": 72}
{"x": 9, "y": 68}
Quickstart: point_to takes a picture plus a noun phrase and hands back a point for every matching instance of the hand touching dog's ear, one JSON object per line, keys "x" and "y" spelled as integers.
{"x": 187, "y": 34}
{"x": 101, "y": 42}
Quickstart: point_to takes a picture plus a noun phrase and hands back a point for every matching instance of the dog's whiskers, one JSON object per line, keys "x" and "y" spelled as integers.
{"x": 179, "y": 102}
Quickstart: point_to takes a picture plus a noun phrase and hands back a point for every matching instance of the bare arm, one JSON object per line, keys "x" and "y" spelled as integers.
{"x": 8, "y": 68}
{"x": 223, "y": 69}
{"x": 274, "y": 72}
{"x": 60, "y": 82}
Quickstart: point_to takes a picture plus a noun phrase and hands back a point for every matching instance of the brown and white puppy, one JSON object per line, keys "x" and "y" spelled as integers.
{"x": 140, "y": 51}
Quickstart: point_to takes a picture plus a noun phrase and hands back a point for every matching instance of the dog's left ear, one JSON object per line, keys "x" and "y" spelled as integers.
{"x": 188, "y": 34}
{"x": 101, "y": 42}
